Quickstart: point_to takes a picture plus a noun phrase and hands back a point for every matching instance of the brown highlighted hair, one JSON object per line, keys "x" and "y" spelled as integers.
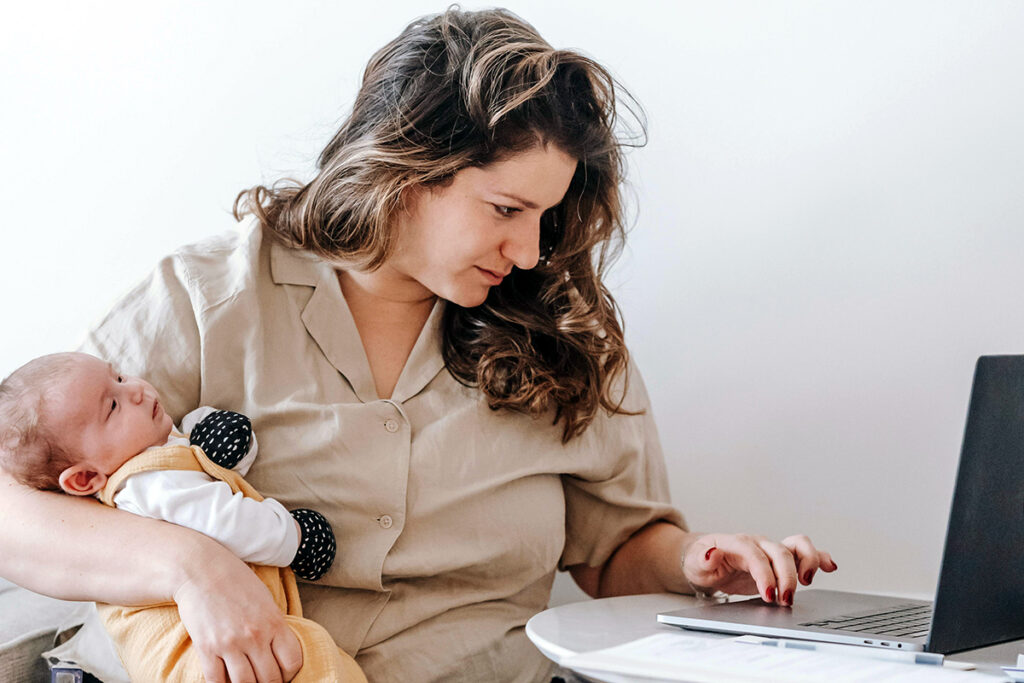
{"x": 29, "y": 446}
{"x": 465, "y": 89}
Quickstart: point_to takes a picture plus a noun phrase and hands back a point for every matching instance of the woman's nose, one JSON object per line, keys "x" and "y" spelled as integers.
{"x": 522, "y": 248}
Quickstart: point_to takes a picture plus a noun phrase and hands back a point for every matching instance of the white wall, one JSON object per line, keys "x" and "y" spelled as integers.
{"x": 827, "y": 233}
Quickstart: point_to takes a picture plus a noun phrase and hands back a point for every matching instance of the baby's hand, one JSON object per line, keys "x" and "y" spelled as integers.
{"x": 224, "y": 436}
{"x": 317, "y": 546}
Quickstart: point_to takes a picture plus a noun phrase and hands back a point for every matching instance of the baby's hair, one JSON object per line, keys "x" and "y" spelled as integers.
{"x": 29, "y": 446}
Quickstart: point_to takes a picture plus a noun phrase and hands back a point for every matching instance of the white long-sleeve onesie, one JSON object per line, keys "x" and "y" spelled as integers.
{"x": 258, "y": 532}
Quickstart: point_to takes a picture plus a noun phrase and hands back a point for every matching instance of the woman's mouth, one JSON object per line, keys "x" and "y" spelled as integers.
{"x": 492, "y": 277}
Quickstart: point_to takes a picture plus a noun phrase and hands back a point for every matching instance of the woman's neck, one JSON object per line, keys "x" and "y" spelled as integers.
{"x": 384, "y": 297}
{"x": 389, "y": 320}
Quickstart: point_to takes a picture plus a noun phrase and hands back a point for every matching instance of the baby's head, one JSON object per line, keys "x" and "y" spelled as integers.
{"x": 69, "y": 420}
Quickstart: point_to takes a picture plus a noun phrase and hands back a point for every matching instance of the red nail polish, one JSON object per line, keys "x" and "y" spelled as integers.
{"x": 707, "y": 555}
{"x": 771, "y": 594}
{"x": 787, "y": 598}
{"x": 834, "y": 565}
{"x": 807, "y": 576}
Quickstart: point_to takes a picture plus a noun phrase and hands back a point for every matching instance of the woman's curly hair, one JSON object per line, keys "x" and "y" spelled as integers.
{"x": 465, "y": 89}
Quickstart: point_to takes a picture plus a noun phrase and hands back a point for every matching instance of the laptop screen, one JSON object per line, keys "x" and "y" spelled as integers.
{"x": 980, "y": 596}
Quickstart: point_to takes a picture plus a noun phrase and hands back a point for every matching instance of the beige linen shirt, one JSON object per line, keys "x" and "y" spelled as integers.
{"x": 451, "y": 518}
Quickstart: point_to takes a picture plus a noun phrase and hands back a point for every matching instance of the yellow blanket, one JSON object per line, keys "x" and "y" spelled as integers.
{"x": 152, "y": 642}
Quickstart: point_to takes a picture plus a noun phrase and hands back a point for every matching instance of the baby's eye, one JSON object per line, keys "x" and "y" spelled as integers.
{"x": 113, "y": 406}
{"x": 506, "y": 211}
{"x": 120, "y": 379}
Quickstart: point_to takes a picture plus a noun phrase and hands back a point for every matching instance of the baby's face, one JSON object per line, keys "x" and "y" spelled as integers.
{"x": 108, "y": 417}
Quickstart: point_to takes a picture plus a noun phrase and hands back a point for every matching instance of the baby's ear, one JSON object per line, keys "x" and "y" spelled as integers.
{"x": 79, "y": 480}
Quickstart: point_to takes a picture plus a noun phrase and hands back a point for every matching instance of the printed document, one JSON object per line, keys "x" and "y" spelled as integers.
{"x": 678, "y": 657}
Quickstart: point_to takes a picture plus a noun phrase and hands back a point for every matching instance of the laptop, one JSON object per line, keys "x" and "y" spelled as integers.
{"x": 979, "y": 600}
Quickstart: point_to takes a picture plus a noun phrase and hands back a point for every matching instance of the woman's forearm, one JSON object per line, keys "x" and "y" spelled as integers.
{"x": 78, "y": 549}
{"x": 650, "y": 561}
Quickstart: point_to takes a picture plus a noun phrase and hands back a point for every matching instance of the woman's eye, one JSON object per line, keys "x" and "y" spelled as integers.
{"x": 506, "y": 211}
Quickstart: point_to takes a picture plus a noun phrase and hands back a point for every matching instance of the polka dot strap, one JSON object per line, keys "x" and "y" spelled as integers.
{"x": 224, "y": 436}
{"x": 317, "y": 549}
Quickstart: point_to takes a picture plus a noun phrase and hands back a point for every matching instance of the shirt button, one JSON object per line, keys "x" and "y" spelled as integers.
{"x": 385, "y": 521}
{"x": 391, "y": 426}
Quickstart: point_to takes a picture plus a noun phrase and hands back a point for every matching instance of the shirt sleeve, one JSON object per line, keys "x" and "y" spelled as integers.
{"x": 152, "y": 333}
{"x": 621, "y": 484}
{"x": 260, "y": 532}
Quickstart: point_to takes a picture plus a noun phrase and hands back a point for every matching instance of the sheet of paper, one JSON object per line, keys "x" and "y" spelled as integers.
{"x": 678, "y": 657}
{"x": 1016, "y": 674}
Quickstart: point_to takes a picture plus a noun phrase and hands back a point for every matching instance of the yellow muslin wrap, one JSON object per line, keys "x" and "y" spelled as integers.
{"x": 152, "y": 642}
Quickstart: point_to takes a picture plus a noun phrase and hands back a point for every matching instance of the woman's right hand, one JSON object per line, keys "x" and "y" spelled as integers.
{"x": 746, "y": 565}
{"x": 239, "y": 633}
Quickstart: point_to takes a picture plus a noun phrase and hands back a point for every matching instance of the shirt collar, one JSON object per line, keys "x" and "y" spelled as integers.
{"x": 329, "y": 322}
{"x": 295, "y": 267}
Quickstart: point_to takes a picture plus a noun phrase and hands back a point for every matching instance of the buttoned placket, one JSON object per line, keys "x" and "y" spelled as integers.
{"x": 329, "y": 322}
{"x": 393, "y": 426}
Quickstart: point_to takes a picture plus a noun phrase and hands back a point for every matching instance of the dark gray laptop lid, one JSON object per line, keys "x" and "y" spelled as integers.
{"x": 980, "y": 595}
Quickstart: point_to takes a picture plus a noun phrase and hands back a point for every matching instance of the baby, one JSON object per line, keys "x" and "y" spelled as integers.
{"x": 71, "y": 422}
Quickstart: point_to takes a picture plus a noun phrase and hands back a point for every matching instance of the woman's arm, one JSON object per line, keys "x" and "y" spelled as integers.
{"x": 653, "y": 559}
{"x": 62, "y": 546}
{"x": 76, "y": 549}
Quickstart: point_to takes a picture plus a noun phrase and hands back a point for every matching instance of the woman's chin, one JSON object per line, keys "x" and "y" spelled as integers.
{"x": 469, "y": 298}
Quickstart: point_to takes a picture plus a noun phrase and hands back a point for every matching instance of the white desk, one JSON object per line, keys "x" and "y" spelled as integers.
{"x": 594, "y": 624}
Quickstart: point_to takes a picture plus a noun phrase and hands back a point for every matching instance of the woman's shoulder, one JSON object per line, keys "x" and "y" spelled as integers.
{"x": 222, "y": 266}
{"x": 223, "y": 250}
{"x": 225, "y": 266}
{"x": 225, "y": 242}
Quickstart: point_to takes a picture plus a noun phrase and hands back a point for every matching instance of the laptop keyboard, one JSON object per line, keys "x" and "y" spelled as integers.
{"x": 909, "y": 621}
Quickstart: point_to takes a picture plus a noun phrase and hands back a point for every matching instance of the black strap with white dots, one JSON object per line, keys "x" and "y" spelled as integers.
{"x": 318, "y": 547}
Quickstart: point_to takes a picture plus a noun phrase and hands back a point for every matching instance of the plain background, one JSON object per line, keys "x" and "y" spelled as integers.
{"x": 826, "y": 220}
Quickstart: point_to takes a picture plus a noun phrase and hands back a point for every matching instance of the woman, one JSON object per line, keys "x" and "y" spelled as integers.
{"x": 424, "y": 344}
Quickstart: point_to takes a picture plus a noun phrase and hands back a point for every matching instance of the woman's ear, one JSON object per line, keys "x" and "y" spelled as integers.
{"x": 80, "y": 480}
{"x": 410, "y": 196}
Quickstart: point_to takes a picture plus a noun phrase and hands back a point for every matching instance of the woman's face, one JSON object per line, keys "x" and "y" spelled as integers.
{"x": 459, "y": 241}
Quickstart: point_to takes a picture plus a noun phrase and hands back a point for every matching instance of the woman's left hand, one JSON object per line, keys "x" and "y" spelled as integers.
{"x": 745, "y": 564}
